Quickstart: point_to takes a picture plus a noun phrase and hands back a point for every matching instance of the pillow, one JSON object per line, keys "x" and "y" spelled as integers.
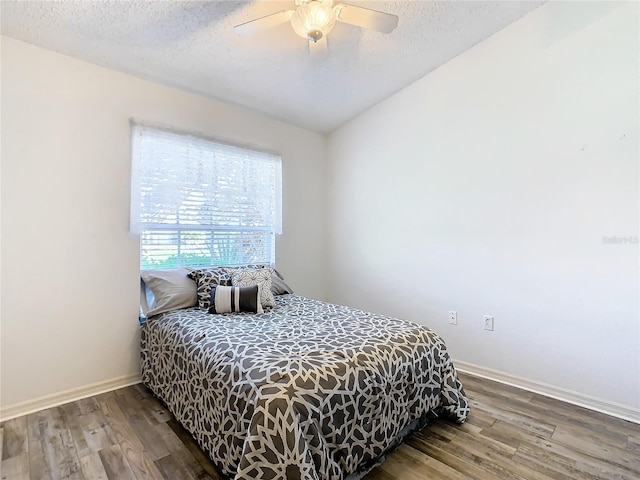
{"x": 206, "y": 278}
{"x": 278, "y": 286}
{"x": 235, "y": 299}
{"x": 246, "y": 277}
{"x": 144, "y": 305}
{"x": 167, "y": 290}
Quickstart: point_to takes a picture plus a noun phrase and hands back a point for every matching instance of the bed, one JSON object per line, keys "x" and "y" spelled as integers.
{"x": 306, "y": 390}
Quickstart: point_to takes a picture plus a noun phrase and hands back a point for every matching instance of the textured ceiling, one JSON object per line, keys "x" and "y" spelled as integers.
{"x": 192, "y": 45}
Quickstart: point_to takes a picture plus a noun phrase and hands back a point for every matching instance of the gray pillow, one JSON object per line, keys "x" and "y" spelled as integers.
{"x": 144, "y": 304}
{"x": 278, "y": 286}
{"x": 169, "y": 290}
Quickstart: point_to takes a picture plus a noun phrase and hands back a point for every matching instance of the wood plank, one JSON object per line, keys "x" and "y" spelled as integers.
{"x": 36, "y": 427}
{"x": 491, "y": 461}
{"x": 493, "y": 456}
{"x": 115, "y": 464}
{"x": 119, "y": 422}
{"x": 586, "y": 416}
{"x": 140, "y": 462}
{"x": 15, "y": 467}
{"x": 457, "y": 434}
{"x": 170, "y": 468}
{"x": 582, "y": 463}
{"x": 169, "y": 437}
{"x": 589, "y": 445}
{"x": 200, "y": 457}
{"x": 153, "y": 443}
{"x": 59, "y": 448}
{"x": 430, "y": 467}
{"x": 403, "y": 466}
{"x": 14, "y": 438}
{"x": 379, "y": 474}
{"x": 444, "y": 455}
{"x": 509, "y": 414}
{"x": 480, "y": 419}
{"x": 578, "y": 419}
{"x": 134, "y": 451}
{"x": 71, "y": 413}
{"x": 92, "y": 467}
{"x": 633, "y": 445}
{"x": 520, "y": 409}
{"x": 508, "y": 433}
{"x": 560, "y": 463}
{"x": 142, "y": 424}
{"x": 96, "y": 432}
{"x": 495, "y": 389}
{"x": 134, "y": 404}
{"x": 556, "y": 411}
{"x": 130, "y": 405}
{"x": 87, "y": 405}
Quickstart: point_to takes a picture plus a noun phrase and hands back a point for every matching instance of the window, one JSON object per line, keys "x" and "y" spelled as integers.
{"x": 198, "y": 202}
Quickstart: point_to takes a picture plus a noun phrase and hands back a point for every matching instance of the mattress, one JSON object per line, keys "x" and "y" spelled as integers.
{"x": 308, "y": 390}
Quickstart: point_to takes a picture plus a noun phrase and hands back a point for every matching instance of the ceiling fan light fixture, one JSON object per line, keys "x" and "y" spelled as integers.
{"x": 313, "y": 19}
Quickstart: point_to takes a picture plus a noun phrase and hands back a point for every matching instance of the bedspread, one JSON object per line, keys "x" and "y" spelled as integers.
{"x": 308, "y": 390}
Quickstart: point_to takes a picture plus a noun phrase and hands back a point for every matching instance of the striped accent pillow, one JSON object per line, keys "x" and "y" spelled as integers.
{"x": 235, "y": 299}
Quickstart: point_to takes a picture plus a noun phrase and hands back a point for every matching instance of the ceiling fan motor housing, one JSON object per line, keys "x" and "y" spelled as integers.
{"x": 314, "y": 35}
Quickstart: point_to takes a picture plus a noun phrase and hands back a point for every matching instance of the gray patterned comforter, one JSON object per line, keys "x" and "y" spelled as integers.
{"x": 308, "y": 390}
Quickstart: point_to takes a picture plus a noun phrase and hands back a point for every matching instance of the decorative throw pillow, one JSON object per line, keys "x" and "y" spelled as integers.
{"x": 246, "y": 277}
{"x": 235, "y": 299}
{"x": 167, "y": 290}
{"x": 205, "y": 279}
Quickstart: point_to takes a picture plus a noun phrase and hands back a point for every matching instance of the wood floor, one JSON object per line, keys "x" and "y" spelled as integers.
{"x": 510, "y": 434}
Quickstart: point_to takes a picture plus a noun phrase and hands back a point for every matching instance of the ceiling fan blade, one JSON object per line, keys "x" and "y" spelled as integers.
{"x": 263, "y": 23}
{"x": 318, "y": 50}
{"x": 366, "y": 18}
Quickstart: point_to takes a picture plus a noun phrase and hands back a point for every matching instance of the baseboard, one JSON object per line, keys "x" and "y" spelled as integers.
{"x": 592, "y": 403}
{"x": 48, "y": 401}
{"x": 610, "y": 408}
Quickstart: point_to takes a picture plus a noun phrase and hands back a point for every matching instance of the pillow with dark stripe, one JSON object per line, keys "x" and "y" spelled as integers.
{"x": 235, "y": 299}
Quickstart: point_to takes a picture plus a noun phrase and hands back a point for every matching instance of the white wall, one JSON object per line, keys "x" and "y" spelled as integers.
{"x": 69, "y": 265}
{"x": 487, "y": 188}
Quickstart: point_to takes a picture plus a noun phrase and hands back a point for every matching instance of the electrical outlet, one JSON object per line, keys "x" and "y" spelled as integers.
{"x": 488, "y": 323}
{"x": 453, "y": 317}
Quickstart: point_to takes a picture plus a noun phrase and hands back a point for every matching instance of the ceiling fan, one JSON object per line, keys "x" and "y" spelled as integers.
{"x": 314, "y": 19}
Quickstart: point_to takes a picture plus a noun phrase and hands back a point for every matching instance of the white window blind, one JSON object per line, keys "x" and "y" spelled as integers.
{"x": 197, "y": 202}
